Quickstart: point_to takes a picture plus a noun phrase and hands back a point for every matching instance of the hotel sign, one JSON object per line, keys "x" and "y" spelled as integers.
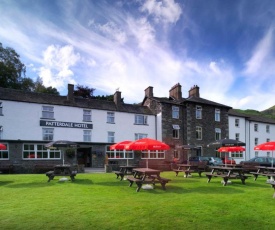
{"x": 64, "y": 124}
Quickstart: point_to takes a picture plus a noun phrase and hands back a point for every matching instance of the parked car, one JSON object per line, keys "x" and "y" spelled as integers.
{"x": 215, "y": 161}
{"x": 262, "y": 161}
{"x": 228, "y": 160}
{"x": 198, "y": 159}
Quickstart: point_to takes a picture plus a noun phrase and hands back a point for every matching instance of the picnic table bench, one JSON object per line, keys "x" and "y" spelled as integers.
{"x": 61, "y": 170}
{"x": 187, "y": 169}
{"x": 147, "y": 176}
{"x": 124, "y": 170}
{"x": 150, "y": 180}
{"x": 269, "y": 172}
{"x": 226, "y": 173}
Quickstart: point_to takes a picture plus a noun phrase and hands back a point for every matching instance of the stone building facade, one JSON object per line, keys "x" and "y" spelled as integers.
{"x": 193, "y": 120}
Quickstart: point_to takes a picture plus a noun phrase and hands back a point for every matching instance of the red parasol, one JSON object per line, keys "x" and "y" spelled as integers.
{"x": 120, "y": 146}
{"x": 148, "y": 145}
{"x": 231, "y": 149}
{"x": 267, "y": 146}
{"x": 3, "y": 147}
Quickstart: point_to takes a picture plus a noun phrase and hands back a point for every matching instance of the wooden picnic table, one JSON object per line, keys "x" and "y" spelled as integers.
{"x": 147, "y": 176}
{"x": 269, "y": 172}
{"x": 187, "y": 169}
{"x": 61, "y": 170}
{"x": 124, "y": 170}
{"x": 226, "y": 173}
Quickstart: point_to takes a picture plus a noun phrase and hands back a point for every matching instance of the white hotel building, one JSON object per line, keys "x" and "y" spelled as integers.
{"x": 252, "y": 130}
{"x": 30, "y": 120}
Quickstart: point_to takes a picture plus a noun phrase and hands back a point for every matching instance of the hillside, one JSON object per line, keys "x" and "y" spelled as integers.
{"x": 269, "y": 113}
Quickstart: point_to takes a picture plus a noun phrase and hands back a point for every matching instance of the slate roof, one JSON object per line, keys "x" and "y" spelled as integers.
{"x": 197, "y": 100}
{"x": 50, "y": 99}
{"x": 200, "y": 100}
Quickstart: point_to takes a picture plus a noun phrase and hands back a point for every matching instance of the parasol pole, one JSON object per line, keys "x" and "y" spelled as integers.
{"x": 126, "y": 156}
{"x": 272, "y": 160}
{"x": 147, "y": 158}
{"x": 63, "y": 156}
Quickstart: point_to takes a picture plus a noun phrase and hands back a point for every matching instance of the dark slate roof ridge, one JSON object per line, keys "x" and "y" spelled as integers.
{"x": 190, "y": 99}
{"x": 167, "y": 100}
{"x": 205, "y": 101}
{"x": 51, "y": 99}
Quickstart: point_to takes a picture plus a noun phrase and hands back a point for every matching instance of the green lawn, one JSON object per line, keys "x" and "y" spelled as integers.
{"x": 100, "y": 201}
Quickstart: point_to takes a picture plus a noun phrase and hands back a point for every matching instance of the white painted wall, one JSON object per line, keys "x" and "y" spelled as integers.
{"x": 22, "y": 121}
{"x": 262, "y": 136}
{"x": 241, "y": 129}
{"x": 248, "y": 135}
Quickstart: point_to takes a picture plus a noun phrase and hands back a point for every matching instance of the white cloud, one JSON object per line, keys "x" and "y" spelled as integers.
{"x": 111, "y": 30}
{"x": 163, "y": 11}
{"x": 56, "y": 69}
{"x": 262, "y": 57}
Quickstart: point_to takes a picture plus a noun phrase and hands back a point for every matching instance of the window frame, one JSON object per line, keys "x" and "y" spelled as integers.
{"x": 1, "y": 108}
{"x": 87, "y": 115}
{"x": 139, "y": 136}
{"x": 141, "y": 119}
{"x": 47, "y": 112}
{"x": 237, "y": 122}
{"x": 1, "y": 132}
{"x": 217, "y": 115}
{"x": 111, "y": 117}
{"x": 5, "y": 152}
{"x": 267, "y": 128}
{"x": 175, "y": 112}
{"x": 46, "y": 136}
{"x": 198, "y": 133}
{"x": 218, "y": 134}
{"x": 119, "y": 154}
{"x": 158, "y": 154}
{"x": 198, "y": 112}
{"x": 256, "y": 127}
{"x": 35, "y": 150}
{"x": 256, "y": 141}
{"x": 111, "y": 137}
{"x": 87, "y": 135}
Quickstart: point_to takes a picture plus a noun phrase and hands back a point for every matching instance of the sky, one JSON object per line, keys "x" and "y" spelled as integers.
{"x": 226, "y": 47}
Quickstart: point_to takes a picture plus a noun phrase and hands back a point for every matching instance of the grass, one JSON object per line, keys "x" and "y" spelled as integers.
{"x": 100, "y": 201}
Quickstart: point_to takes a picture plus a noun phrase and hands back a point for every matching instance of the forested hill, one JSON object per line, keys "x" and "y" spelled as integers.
{"x": 269, "y": 113}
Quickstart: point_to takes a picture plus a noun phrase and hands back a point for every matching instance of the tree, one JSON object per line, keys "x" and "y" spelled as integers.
{"x": 12, "y": 70}
{"x": 12, "y": 74}
{"x": 40, "y": 88}
{"x": 84, "y": 91}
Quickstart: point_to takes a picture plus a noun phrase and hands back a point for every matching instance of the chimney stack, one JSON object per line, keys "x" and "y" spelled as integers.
{"x": 149, "y": 92}
{"x": 117, "y": 98}
{"x": 175, "y": 92}
{"x": 70, "y": 96}
{"x": 194, "y": 91}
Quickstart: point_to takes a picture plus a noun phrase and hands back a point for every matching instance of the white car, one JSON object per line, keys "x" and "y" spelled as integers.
{"x": 215, "y": 161}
